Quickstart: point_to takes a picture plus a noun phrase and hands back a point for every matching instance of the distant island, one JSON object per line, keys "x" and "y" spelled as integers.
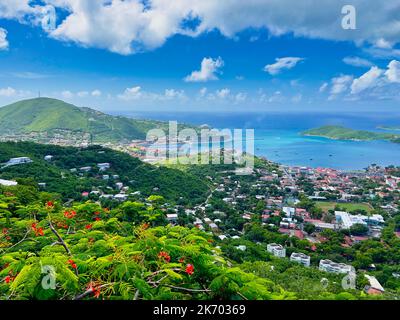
{"x": 393, "y": 128}
{"x": 343, "y": 133}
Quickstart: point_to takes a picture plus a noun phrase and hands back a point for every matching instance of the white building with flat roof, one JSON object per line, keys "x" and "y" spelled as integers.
{"x": 17, "y": 161}
{"x": 346, "y": 220}
{"x": 277, "y": 250}
{"x": 300, "y": 258}
{"x": 103, "y": 166}
{"x": 289, "y": 211}
{"x": 121, "y": 197}
{"x": 334, "y": 267}
{"x": 172, "y": 217}
{"x": 7, "y": 183}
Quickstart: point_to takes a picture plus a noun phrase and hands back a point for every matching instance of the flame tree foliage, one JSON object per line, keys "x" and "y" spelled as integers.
{"x": 124, "y": 253}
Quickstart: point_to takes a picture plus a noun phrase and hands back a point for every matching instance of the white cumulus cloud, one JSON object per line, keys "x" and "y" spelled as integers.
{"x": 393, "y": 71}
{"x": 323, "y": 87}
{"x": 357, "y": 62}
{"x": 340, "y": 85}
{"x": 130, "y": 26}
{"x": 8, "y": 92}
{"x": 3, "y": 39}
{"x": 223, "y": 93}
{"x": 174, "y": 94}
{"x": 208, "y": 70}
{"x": 282, "y": 64}
{"x": 66, "y": 94}
{"x": 133, "y": 93}
{"x": 96, "y": 93}
{"x": 367, "y": 80}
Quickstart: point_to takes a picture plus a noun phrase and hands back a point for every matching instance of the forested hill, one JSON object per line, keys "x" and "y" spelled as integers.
{"x": 170, "y": 183}
{"x": 51, "y": 115}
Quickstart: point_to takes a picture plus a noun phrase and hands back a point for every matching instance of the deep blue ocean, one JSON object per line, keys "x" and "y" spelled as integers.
{"x": 278, "y": 138}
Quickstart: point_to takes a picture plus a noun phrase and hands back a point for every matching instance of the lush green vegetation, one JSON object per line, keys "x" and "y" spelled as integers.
{"x": 172, "y": 184}
{"x": 49, "y": 115}
{"x": 86, "y": 251}
{"x": 342, "y": 133}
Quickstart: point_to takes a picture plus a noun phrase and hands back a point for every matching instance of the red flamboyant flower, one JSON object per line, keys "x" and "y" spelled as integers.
{"x": 50, "y": 204}
{"x": 145, "y": 226}
{"x": 7, "y": 279}
{"x": 72, "y": 264}
{"x": 189, "y": 269}
{"x": 62, "y": 225}
{"x": 164, "y": 255}
{"x": 95, "y": 289}
{"x": 97, "y": 213}
{"x": 97, "y": 219}
{"x": 88, "y": 227}
{"x": 39, "y": 232}
{"x": 5, "y": 231}
{"x": 182, "y": 260}
{"x": 69, "y": 214}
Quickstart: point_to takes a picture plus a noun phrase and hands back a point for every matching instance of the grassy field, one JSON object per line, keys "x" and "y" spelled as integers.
{"x": 325, "y": 206}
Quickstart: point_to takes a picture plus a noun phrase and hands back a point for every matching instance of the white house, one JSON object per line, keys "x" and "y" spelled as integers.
{"x": 121, "y": 197}
{"x": 172, "y": 217}
{"x": 241, "y": 248}
{"x": 213, "y": 226}
{"x": 48, "y": 158}
{"x": 289, "y": 211}
{"x": 374, "y": 286}
{"x": 8, "y": 183}
{"x": 277, "y": 250}
{"x": 300, "y": 258}
{"x": 103, "y": 166}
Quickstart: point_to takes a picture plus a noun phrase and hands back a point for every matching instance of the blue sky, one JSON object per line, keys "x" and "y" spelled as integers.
{"x": 198, "y": 63}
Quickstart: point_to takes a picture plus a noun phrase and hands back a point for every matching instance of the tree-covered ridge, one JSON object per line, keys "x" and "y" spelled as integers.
{"x": 51, "y": 115}
{"x": 342, "y": 133}
{"x": 172, "y": 184}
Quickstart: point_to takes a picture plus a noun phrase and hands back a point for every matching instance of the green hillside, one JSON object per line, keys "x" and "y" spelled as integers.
{"x": 172, "y": 184}
{"x": 342, "y": 133}
{"x": 49, "y": 115}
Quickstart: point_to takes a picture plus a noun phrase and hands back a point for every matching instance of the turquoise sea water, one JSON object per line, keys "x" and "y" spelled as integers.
{"x": 278, "y": 138}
